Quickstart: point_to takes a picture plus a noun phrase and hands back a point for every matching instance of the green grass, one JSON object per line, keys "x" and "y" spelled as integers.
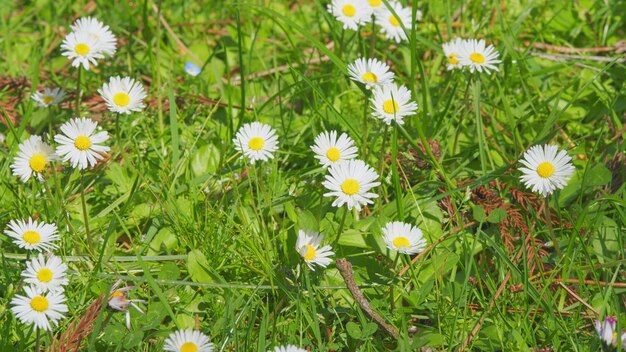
{"x": 209, "y": 239}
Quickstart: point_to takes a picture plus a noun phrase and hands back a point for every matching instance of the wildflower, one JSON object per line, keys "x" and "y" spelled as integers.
{"x": 41, "y": 309}
{"x": 350, "y": 183}
{"x": 288, "y": 348}
{"x": 192, "y": 69}
{"x": 82, "y": 48}
{"x": 120, "y": 302}
{"x": 79, "y": 144}
{"x": 105, "y": 40}
{"x": 376, "y": 5}
{"x": 50, "y": 96}
{"x": 477, "y": 56}
{"x": 403, "y": 238}
{"x": 392, "y": 103}
{"x": 331, "y": 150}
{"x": 308, "y": 246}
{"x": 351, "y": 13}
{"x": 188, "y": 341}
{"x": 452, "y": 51}
{"x": 32, "y": 159}
{"x": 257, "y": 141}
{"x": 546, "y": 169}
{"x": 391, "y": 25}
{"x": 123, "y": 95}
{"x": 370, "y": 72}
{"x": 32, "y": 235}
{"x": 607, "y": 332}
{"x": 46, "y": 273}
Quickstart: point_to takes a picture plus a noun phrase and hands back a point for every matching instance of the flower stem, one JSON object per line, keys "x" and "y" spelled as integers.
{"x": 546, "y": 209}
{"x": 396, "y": 176}
{"x": 84, "y": 204}
{"x": 80, "y": 70}
{"x": 38, "y": 340}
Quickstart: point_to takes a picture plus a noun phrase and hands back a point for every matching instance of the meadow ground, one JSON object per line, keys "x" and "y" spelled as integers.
{"x": 208, "y": 237}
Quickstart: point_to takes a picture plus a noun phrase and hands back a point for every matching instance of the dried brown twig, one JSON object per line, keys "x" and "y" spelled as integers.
{"x": 345, "y": 269}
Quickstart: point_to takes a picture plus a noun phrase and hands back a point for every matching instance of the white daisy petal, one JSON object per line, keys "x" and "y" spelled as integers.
{"x": 391, "y": 25}
{"x": 288, "y": 348}
{"x": 104, "y": 38}
{"x": 370, "y": 72}
{"x": 544, "y": 170}
{"x": 392, "y": 103}
{"x": 403, "y": 238}
{"x": 187, "y": 341}
{"x": 46, "y": 273}
{"x": 256, "y": 141}
{"x": 123, "y": 95}
{"x": 308, "y": 246}
{"x": 474, "y": 55}
{"x": 32, "y": 235}
{"x": 38, "y": 308}
{"x": 79, "y": 145}
{"x": 349, "y": 182}
{"x": 352, "y": 13}
{"x": 330, "y": 150}
{"x": 82, "y": 48}
{"x": 32, "y": 159}
{"x": 49, "y": 96}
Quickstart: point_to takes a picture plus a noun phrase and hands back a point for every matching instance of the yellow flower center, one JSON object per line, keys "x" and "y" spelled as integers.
{"x": 477, "y": 58}
{"x": 452, "y": 60}
{"x": 37, "y": 162}
{"x": 39, "y": 304}
{"x": 311, "y": 253}
{"x": 369, "y": 77}
{"x": 82, "y": 49}
{"x": 256, "y": 143}
{"x": 121, "y": 99}
{"x": 348, "y": 10}
{"x": 82, "y": 142}
{"x": 545, "y": 169}
{"x": 400, "y": 242}
{"x": 48, "y": 99}
{"x": 394, "y": 21}
{"x": 116, "y": 294}
{"x": 31, "y": 237}
{"x": 188, "y": 347}
{"x": 375, "y": 3}
{"x": 390, "y": 106}
{"x": 350, "y": 186}
{"x": 333, "y": 154}
{"x": 44, "y": 275}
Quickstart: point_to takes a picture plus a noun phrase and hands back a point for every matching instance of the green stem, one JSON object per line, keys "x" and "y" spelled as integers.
{"x": 555, "y": 243}
{"x": 395, "y": 174}
{"x": 38, "y": 340}
{"x": 84, "y": 205}
{"x": 80, "y": 70}
{"x": 479, "y": 125}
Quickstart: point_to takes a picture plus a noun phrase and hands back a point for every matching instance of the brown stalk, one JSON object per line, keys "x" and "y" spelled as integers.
{"x": 78, "y": 330}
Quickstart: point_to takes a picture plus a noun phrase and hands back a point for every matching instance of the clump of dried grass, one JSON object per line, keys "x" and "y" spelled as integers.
{"x": 78, "y": 330}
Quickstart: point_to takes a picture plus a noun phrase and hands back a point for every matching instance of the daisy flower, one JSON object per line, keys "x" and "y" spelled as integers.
{"x": 370, "y": 72}
{"x": 351, "y": 13}
{"x": 123, "y": 95}
{"x": 39, "y": 308}
{"x": 350, "y": 183}
{"x": 392, "y": 103}
{"x": 119, "y": 301}
{"x": 192, "y": 69}
{"x": 330, "y": 150}
{"x": 308, "y": 246}
{"x": 376, "y": 5}
{"x": 32, "y": 159}
{"x": 546, "y": 169}
{"x": 477, "y": 56}
{"x": 106, "y": 41}
{"x": 403, "y": 238}
{"x": 79, "y": 144}
{"x": 32, "y": 235}
{"x": 46, "y": 273}
{"x": 452, "y": 51}
{"x": 50, "y": 96}
{"x": 257, "y": 141}
{"x": 391, "y": 25}
{"x": 288, "y": 348}
{"x": 82, "y": 48}
{"x": 188, "y": 341}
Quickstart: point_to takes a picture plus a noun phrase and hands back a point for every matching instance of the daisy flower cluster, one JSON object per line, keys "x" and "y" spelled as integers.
{"x": 471, "y": 54}
{"x": 393, "y": 19}
{"x": 89, "y": 41}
